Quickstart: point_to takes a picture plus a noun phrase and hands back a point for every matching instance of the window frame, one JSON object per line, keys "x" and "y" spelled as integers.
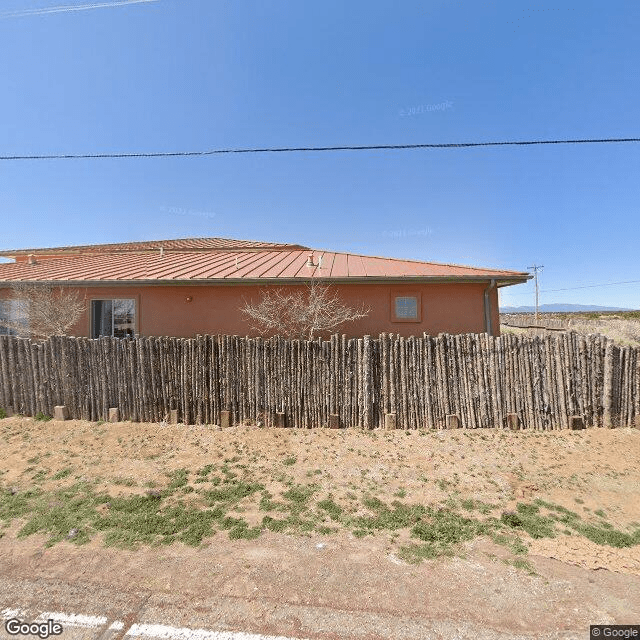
{"x": 405, "y": 294}
{"x": 136, "y": 312}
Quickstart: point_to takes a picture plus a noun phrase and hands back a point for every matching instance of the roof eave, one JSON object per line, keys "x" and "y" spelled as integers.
{"x": 501, "y": 281}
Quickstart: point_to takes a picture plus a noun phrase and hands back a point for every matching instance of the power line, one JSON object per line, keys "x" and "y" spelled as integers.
{"x": 379, "y": 147}
{"x": 22, "y": 13}
{"x": 586, "y": 286}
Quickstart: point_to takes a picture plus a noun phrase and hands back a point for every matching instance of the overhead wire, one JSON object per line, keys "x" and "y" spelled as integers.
{"x": 23, "y": 13}
{"x": 586, "y": 286}
{"x": 378, "y": 147}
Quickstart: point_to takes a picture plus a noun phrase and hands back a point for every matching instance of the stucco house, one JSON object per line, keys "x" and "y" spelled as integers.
{"x": 197, "y": 286}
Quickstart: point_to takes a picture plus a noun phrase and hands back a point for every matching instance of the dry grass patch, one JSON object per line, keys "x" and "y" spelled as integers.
{"x": 622, "y": 327}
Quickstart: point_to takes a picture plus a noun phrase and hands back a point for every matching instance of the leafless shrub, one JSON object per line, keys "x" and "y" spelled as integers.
{"x": 301, "y": 314}
{"x": 43, "y": 311}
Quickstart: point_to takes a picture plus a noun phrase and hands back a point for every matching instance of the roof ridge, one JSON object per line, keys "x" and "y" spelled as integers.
{"x": 115, "y": 245}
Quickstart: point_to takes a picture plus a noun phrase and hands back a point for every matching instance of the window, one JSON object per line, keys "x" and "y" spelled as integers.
{"x": 407, "y": 308}
{"x": 115, "y": 318}
{"x": 14, "y": 318}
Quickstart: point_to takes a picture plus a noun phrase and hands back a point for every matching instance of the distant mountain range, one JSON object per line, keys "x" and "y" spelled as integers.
{"x": 561, "y": 308}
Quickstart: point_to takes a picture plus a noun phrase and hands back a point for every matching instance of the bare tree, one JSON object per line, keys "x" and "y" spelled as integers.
{"x": 42, "y": 311}
{"x": 301, "y": 313}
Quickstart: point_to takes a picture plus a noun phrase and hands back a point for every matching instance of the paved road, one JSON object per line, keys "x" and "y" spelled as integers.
{"x": 97, "y": 613}
{"x": 294, "y": 588}
{"x": 79, "y": 626}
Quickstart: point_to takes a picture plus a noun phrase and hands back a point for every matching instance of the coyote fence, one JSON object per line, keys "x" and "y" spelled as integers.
{"x": 536, "y": 383}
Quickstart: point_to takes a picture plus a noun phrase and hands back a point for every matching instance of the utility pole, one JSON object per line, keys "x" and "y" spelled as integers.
{"x": 536, "y": 268}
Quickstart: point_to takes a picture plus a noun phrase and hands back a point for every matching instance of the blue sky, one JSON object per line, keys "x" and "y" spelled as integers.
{"x": 201, "y": 74}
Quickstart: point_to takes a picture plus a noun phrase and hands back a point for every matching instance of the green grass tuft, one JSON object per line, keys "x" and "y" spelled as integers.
{"x": 179, "y": 478}
{"x": 232, "y": 492}
{"x": 604, "y": 535}
{"x": 274, "y": 525}
{"x": 206, "y": 470}
{"x": 124, "y": 482}
{"x": 16, "y": 505}
{"x": 334, "y": 510}
{"x": 325, "y": 531}
{"x": 416, "y": 553}
{"x": 399, "y": 516}
{"x": 446, "y": 528}
{"x": 244, "y": 533}
{"x": 63, "y": 473}
{"x": 299, "y": 494}
{"x": 528, "y": 519}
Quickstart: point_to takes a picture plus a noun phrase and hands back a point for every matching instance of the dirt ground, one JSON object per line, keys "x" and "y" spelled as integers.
{"x": 347, "y": 590}
{"x": 586, "y": 471}
{"x": 623, "y": 327}
{"x": 593, "y": 475}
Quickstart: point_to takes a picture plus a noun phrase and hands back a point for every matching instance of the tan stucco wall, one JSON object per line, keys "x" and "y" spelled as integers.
{"x": 164, "y": 311}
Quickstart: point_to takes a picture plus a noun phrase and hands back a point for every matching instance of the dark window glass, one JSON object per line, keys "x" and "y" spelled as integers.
{"x": 124, "y": 317}
{"x": 113, "y": 318}
{"x": 101, "y": 315}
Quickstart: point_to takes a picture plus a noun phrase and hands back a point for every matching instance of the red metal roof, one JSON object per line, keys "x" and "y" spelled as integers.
{"x": 180, "y": 244}
{"x": 286, "y": 262}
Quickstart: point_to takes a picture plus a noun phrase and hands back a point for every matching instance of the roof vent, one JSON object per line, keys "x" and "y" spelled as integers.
{"x": 31, "y": 259}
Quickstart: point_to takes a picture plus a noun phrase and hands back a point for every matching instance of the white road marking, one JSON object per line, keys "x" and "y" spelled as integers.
{"x": 8, "y": 614}
{"x": 161, "y": 631}
{"x": 73, "y": 620}
{"x": 139, "y": 630}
